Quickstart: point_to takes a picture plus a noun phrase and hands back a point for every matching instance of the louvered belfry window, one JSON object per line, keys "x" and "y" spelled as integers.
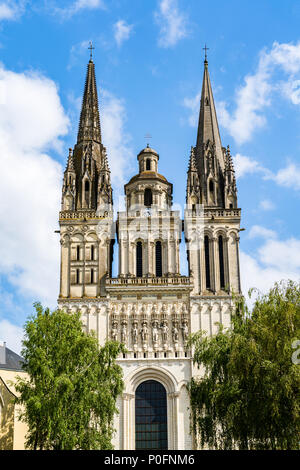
{"x": 158, "y": 259}
{"x": 139, "y": 259}
{"x": 207, "y": 262}
{"x": 221, "y": 262}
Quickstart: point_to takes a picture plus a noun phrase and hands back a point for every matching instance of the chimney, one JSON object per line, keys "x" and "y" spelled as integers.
{"x": 2, "y": 353}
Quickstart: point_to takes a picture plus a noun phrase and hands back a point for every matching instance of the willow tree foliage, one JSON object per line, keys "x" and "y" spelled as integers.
{"x": 69, "y": 396}
{"x": 249, "y": 396}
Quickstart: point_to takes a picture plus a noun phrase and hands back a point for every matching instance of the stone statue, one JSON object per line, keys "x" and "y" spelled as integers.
{"x": 114, "y": 331}
{"x": 175, "y": 333}
{"x": 185, "y": 330}
{"x": 165, "y": 330}
{"x": 144, "y": 332}
{"x": 134, "y": 333}
{"x": 123, "y": 332}
{"x": 155, "y": 332}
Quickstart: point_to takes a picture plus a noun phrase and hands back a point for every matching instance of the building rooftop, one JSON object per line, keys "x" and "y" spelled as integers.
{"x": 9, "y": 360}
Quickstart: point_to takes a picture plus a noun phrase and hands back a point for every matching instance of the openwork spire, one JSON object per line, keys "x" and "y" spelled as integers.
{"x": 208, "y": 129}
{"x": 89, "y": 125}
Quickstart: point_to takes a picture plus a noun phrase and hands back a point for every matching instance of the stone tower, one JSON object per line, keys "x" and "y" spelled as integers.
{"x": 150, "y": 306}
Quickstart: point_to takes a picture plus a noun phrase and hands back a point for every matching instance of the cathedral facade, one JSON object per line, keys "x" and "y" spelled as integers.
{"x": 150, "y": 306}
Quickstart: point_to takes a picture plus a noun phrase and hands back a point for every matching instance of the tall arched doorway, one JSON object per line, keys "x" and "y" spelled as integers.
{"x": 151, "y": 416}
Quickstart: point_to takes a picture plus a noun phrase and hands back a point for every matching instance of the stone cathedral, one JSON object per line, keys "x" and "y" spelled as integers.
{"x": 150, "y": 306}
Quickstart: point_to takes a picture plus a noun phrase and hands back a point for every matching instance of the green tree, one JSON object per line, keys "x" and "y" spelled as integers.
{"x": 70, "y": 394}
{"x": 249, "y": 396}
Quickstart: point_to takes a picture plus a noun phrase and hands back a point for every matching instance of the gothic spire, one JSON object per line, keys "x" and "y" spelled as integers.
{"x": 89, "y": 125}
{"x": 208, "y": 129}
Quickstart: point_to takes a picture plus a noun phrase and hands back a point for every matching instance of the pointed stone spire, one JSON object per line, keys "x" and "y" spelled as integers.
{"x": 208, "y": 129}
{"x": 89, "y": 125}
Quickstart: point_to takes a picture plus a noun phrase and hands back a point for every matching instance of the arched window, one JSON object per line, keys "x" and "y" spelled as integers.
{"x": 78, "y": 252}
{"x": 221, "y": 262}
{"x": 77, "y": 276}
{"x": 151, "y": 416}
{"x": 148, "y": 197}
{"x": 87, "y": 191}
{"x": 148, "y": 164}
{"x": 211, "y": 186}
{"x": 207, "y": 262}
{"x": 158, "y": 259}
{"x": 139, "y": 259}
{"x": 92, "y": 252}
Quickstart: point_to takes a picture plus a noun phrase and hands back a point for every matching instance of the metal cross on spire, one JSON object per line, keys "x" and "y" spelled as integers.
{"x": 91, "y": 48}
{"x": 205, "y": 49}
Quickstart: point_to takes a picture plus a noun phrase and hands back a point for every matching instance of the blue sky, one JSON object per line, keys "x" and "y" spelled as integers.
{"x": 149, "y": 66}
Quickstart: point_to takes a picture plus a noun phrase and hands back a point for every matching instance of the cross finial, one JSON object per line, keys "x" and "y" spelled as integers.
{"x": 205, "y": 49}
{"x": 91, "y": 48}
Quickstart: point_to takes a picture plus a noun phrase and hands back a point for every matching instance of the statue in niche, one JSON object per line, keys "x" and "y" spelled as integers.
{"x": 185, "y": 330}
{"x": 135, "y": 333}
{"x": 144, "y": 332}
{"x": 155, "y": 332}
{"x": 114, "y": 331}
{"x": 124, "y": 332}
{"x": 175, "y": 334}
{"x": 165, "y": 330}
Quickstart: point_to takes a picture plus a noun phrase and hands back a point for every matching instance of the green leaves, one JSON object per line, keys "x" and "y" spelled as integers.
{"x": 70, "y": 395}
{"x": 249, "y": 397}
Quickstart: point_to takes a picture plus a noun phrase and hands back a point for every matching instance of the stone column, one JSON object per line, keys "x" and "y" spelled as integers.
{"x": 226, "y": 263}
{"x": 212, "y": 263}
{"x": 238, "y": 264}
{"x": 165, "y": 257}
{"x": 128, "y": 428}
{"x": 65, "y": 269}
{"x": 216, "y": 264}
{"x": 201, "y": 264}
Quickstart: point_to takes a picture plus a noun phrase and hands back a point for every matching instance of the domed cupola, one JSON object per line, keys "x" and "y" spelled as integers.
{"x": 148, "y": 188}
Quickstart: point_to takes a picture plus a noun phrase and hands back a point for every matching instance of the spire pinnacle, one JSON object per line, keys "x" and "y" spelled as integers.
{"x": 208, "y": 128}
{"x": 192, "y": 162}
{"x": 89, "y": 125}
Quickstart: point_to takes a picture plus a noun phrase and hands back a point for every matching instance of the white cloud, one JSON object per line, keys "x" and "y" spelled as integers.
{"x": 172, "y": 23}
{"x": 256, "y": 93}
{"x": 273, "y": 261}
{"x": 12, "y": 335}
{"x": 282, "y": 255}
{"x": 266, "y": 205}
{"x": 258, "y": 231}
{"x": 244, "y": 165}
{"x": 11, "y": 10}
{"x": 122, "y": 31}
{"x": 30, "y": 182}
{"x": 193, "y": 104}
{"x": 254, "y": 273}
{"x": 78, "y": 6}
{"x": 288, "y": 177}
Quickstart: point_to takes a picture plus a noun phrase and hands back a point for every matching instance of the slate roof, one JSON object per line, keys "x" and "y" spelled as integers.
{"x": 13, "y": 361}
